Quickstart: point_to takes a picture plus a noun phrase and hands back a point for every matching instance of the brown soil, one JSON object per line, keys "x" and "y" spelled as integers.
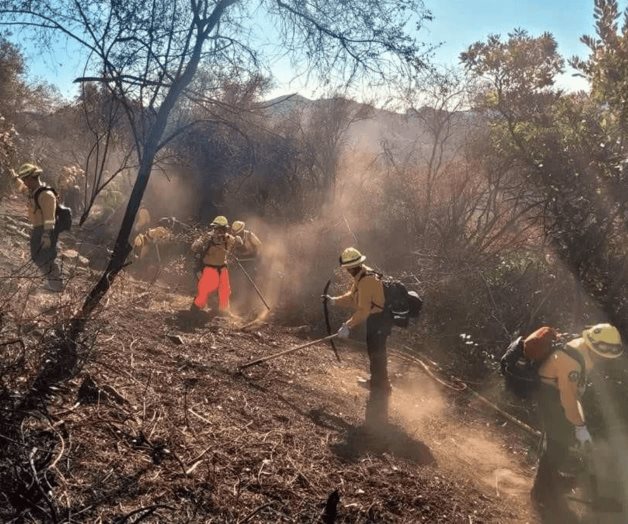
{"x": 164, "y": 429}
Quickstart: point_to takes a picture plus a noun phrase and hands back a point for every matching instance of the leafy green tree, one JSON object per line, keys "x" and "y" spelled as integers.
{"x": 568, "y": 149}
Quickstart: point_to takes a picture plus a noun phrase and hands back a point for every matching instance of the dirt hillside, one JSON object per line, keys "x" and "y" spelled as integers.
{"x": 160, "y": 426}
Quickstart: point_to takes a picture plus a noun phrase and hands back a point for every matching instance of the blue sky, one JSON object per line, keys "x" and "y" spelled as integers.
{"x": 456, "y": 24}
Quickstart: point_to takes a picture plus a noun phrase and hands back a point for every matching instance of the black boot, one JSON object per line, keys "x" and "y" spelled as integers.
{"x": 545, "y": 490}
{"x": 54, "y": 280}
{"x": 196, "y": 317}
{"x": 376, "y": 417}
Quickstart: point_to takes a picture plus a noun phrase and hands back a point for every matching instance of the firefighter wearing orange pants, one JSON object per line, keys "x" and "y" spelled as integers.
{"x": 214, "y": 250}
{"x": 214, "y": 279}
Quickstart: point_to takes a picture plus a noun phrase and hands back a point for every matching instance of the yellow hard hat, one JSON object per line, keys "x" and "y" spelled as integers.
{"x": 237, "y": 226}
{"x": 351, "y": 257}
{"x": 28, "y": 170}
{"x": 604, "y": 340}
{"x": 220, "y": 221}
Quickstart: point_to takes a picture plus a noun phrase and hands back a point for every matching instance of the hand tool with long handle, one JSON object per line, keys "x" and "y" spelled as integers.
{"x": 259, "y": 293}
{"x": 286, "y": 352}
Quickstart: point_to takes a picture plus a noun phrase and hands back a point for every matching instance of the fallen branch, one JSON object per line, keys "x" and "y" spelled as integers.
{"x": 255, "y": 512}
{"x": 149, "y": 511}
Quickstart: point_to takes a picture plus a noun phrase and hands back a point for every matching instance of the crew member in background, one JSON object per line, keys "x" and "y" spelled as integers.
{"x": 142, "y": 221}
{"x": 251, "y": 244}
{"x": 110, "y": 200}
{"x": 247, "y": 260}
{"x": 563, "y": 379}
{"x": 148, "y": 243}
{"x": 42, "y": 214}
{"x": 68, "y": 185}
{"x": 213, "y": 250}
{"x": 366, "y": 297}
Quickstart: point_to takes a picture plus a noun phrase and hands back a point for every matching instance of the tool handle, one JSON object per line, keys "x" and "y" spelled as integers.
{"x": 286, "y": 352}
{"x": 250, "y": 279}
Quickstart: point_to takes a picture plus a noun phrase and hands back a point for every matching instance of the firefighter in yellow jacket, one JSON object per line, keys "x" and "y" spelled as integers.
{"x": 563, "y": 378}
{"x": 251, "y": 244}
{"x": 69, "y": 186}
{"x": 42, "y": 214}
{"x": 366, "y": 297}
{"x": 214, "y": 250}
{"x": 149, "y": 241}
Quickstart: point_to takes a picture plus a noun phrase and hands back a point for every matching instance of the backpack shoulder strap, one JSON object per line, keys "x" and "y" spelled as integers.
{"x": 577, "y": 356}
{"x": 39, "y": 191}
{"x": 372, "y": 273}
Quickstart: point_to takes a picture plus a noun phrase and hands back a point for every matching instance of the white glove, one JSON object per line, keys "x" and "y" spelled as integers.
{"x": 46, "y": 241}
{"x": 583, "y": 436}
{"x": 344, "y": 331}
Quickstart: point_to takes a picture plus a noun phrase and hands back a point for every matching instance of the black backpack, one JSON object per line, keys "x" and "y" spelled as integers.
{"x": 63, "y": 214}
{"x": 399, "y": 303}
{"x": 521, "y": 375}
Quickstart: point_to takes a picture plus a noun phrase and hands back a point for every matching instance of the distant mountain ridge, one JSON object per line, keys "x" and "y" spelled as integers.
{"x": 401, "y": 130}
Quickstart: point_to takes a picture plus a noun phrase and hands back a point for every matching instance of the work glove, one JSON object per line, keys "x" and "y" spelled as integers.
{"x": 344, "y": 331}
{"x": 583, "y": 436}
{"x": 46, "y": 241}
{"x": 328, "y": 299}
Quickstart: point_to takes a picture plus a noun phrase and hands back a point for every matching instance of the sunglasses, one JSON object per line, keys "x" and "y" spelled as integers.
{"x": 607, "y": 349}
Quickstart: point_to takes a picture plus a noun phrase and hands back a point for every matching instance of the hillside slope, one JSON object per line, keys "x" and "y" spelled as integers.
{"x": 159, "y": 426}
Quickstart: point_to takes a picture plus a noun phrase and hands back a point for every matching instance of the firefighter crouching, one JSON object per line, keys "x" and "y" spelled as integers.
{"x": 563, "y": 379}
{"x": 148, "y": 243}
{"x": 213, "y": 250}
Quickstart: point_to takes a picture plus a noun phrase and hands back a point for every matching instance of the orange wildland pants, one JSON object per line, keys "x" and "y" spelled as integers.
{"x": 211, "y": 280}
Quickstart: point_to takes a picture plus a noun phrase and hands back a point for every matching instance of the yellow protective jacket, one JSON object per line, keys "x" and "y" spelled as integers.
{"x": 216, "y": 251}
{"x": 250, "y": 243}
{"x": 366, "y": 296}
{"x": 42, "y": 212}
{"x": 154, "y": 236}
{"x": 564, "y": 373}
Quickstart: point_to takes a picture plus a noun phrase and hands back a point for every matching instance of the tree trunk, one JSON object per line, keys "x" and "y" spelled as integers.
{"x": 122, "y": 248}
